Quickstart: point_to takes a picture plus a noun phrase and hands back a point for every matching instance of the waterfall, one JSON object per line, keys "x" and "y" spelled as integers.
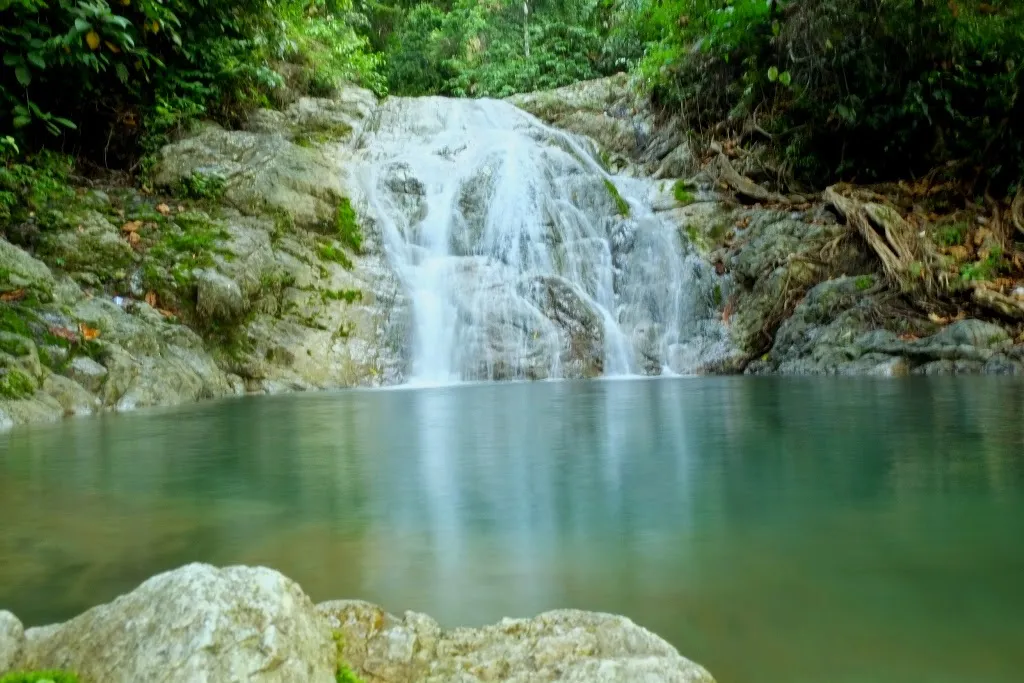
{"x": 517, "y": 252}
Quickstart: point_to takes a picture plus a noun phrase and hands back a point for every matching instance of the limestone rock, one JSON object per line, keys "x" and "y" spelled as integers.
{"x": 22, "y": 270}
{"x": 260, "y": 169}
{"x": 94, "y": 247}
{"x": 565, "y": 646}
{"x": 71, "y": 396}
{"x": 12, "y": 641}
{"x": 219, "y": 297}
{"x": 196, "y": 624}
{"x": 87, "y": 372}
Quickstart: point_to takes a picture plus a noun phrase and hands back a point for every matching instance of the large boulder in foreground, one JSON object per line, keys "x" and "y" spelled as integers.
{"x": 196, "y": 624}
{"x": 12, "y": 639}
{"x": 565, "y": 646}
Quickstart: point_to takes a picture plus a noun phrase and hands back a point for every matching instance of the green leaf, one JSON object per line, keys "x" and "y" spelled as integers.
{"x": 22, "y": 121}
{"x": 23, "y": 75}
{"x": 773, "y": 74}
{"x": 37, "y": 59}
{"x": 66, "y": 123}
{"x": 82, "y": 25}
{"x": 785, "y": 78}
{"x": 13, "y": 59}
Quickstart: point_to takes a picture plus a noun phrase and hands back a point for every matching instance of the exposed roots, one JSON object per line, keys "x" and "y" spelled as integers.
{"x": 908, "y": 260}
{"x": 1017, "y": 209}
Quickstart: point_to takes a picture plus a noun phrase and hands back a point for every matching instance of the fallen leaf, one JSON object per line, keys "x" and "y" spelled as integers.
{"x": 163, "y": 209}
{"x": 133, "y": 238}
{"x": 165, "y": 313}
{"x": 131, "y": 226}
{"x": 88, "y": 333}
{"x": 15, "y": 295}
{"x": 938, "y": 319}
{"x": 909, "y": 337}
{"x": 151, "y": 299}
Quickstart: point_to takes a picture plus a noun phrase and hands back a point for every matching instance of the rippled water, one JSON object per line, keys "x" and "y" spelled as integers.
{"x": 777, "y": 531}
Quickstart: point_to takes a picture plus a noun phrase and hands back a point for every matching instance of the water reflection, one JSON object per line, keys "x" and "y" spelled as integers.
{"x": 781, "y": 531}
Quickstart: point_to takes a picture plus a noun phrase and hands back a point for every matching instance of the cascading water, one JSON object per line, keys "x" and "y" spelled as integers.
{"x": 509, "y": 239}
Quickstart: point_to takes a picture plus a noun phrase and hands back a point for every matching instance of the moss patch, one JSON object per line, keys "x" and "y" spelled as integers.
{"x": 330, "y": 252}
{"x": 198, "y": 185}
{"x": 349, "y": 296}
{"x": 53, "y": 676}
{"x": 347, "y": 227}
{"x": 328, "y": 132}
{"x": 620, "y": 204}
{"x": 864, "y": 283}
{"x": 683, "y": 194}
{"x": 15, "y": 384}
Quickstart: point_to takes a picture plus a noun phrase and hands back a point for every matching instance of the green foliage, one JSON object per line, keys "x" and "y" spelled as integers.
{"x": 347, "y": 227}
{"x": 349, "y": 296}
{"x": 53, "y": 676}
{"x": 32, "y": 186}
{"x": 854, "y": 89}
{"x": 15, "y": 384}
{"x": 952, "y": 235}
{"x": 346, "y": 675}
{"x": 682, "y": 193}
{"x": 478, "y": 49}
{"x": 864, "y": 283}
{"x": 330, "y": 252}
{"x": 120, "y": 76}
{"x": 202, "y": 186}
{"x": 620, "y": 204}
{"x": 985, "y": 269}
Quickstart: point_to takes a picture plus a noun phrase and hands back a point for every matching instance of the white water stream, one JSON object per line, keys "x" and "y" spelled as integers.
{"x": 514, "y": 254}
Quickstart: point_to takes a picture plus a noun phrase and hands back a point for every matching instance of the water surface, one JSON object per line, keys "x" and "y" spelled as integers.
{"x": 776, "y": 531}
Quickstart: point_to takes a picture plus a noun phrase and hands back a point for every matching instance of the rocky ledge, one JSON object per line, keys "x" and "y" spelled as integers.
{"x": 251, "y": 268}
{"x": 200, "y": 623}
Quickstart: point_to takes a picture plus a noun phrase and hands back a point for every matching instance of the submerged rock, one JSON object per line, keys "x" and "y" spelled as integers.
{"x": 193, "y": 625}
{"x": 564, "y": 646}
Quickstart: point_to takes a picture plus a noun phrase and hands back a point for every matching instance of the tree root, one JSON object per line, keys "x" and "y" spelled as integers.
{"x": 1017, "y": 209}
{"x": 745, "y": 187}
{"x": 1005, "y": 306}
{"x": 907, "y": 259}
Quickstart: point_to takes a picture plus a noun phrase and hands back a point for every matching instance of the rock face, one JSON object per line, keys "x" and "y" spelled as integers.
{"x": 611, "y": 112}
{"x": 200, "y": 624}
{"x": 131, "y": 301}
{"x": 12, "y": 641}
{"x": 565, "y": 646}
{"x": 197, "y": 624}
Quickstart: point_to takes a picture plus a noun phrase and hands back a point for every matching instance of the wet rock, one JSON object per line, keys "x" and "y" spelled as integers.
{"x": 12, "y": 641}
{"x": 568, "y": 307}
{"x": 219, "y": 298}
{"x": 565, "y": 646}
{"x": 86, "y": 372}
{"x": 71, "y": 396}
{"x": 191, "y": 625}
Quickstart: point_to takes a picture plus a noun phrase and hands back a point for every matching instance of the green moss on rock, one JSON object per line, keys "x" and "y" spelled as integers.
{"x": 620, "y": 204}
{"x": 15, "y": 384}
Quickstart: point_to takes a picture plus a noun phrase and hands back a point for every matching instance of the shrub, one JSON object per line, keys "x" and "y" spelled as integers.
{"x": 115, "y": 76}
{"x": 853, "y": 89}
